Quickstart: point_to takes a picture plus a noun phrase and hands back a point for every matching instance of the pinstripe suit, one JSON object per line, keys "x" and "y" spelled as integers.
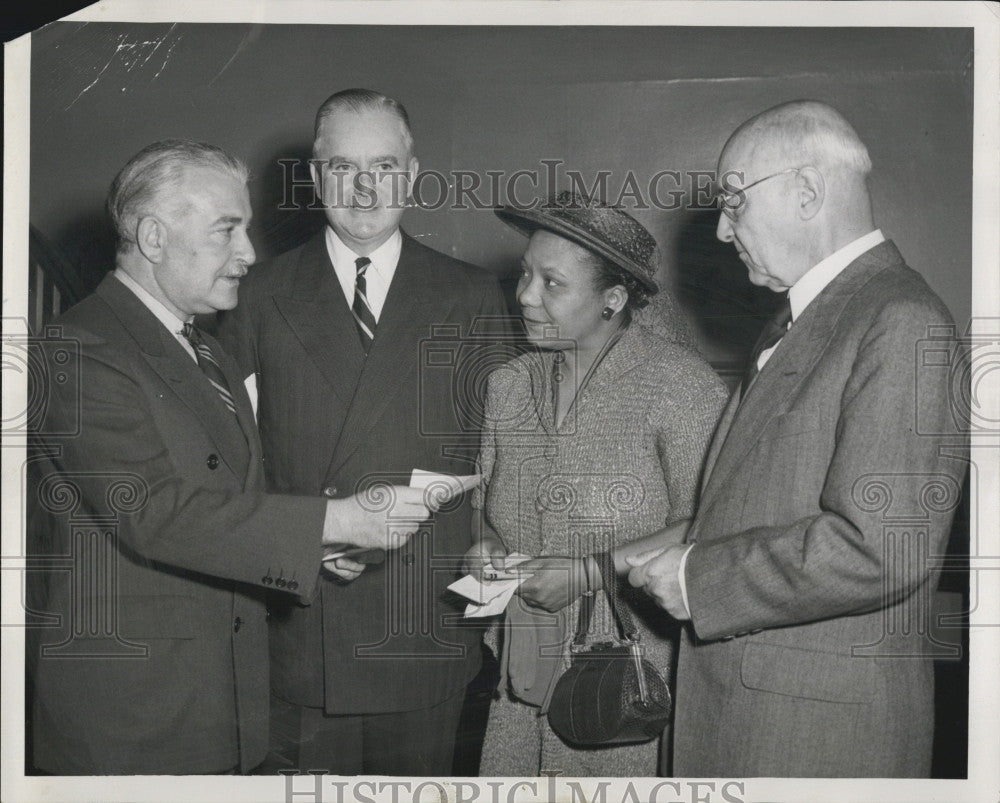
{"x": 805, "y": 656}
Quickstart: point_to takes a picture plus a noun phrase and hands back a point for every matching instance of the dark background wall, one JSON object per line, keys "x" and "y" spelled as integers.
{"x": 615, "y": 99}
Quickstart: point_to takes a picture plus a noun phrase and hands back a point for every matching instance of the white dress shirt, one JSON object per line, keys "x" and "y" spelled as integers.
{"x": 800, "y": 295}
{"x": 379, "y": 275}
{"x": 174, "y": 324}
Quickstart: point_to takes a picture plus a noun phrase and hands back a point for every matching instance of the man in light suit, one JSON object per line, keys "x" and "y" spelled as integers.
{"x": 156, "y": 658}
{"x": 370, "y": 678}
{"x": 804, "y": 655}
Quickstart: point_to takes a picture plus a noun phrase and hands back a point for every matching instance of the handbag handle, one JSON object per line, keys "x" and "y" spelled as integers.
{"x": 626, "y": 627}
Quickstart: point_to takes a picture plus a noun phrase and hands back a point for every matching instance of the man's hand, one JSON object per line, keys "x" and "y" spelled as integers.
{"x": 555, "y": 582}
{"x": 483, "y": 553}
{"x": 344, "y": 569}
{"x": 384, "y": 518}
{"x": 656, "y": 573}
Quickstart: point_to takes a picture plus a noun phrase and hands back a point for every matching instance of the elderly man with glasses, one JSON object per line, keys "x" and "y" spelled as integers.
{"x": 803, "y": 653}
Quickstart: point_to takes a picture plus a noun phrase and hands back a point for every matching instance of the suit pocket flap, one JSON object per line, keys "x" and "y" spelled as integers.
{"x": 807, "y": 673}
{"x": 159, "y": 616}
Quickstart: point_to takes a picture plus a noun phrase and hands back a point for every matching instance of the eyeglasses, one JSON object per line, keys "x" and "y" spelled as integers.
{"x": 729, "y": 201}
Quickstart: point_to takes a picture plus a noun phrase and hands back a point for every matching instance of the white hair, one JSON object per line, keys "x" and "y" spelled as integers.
{"x": 805, "y": 132}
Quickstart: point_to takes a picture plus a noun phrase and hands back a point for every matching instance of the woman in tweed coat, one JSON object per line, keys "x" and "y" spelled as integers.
{"x": 591, "y": 443}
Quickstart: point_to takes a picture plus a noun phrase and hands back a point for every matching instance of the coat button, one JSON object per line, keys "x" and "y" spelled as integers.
{"x": 267, "y": 579}
{"x": 330, "y": 491}
{"x": 237, "y": 624}
{"x": 293, "y": 584}
{"x": 212, "y": 462}
{"x": 281, "y": 582}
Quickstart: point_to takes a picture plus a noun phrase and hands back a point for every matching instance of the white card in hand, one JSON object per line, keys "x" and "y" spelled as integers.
{"x": 443, "y": 486}
{"x": 495, "y": 606}
{"x": 490, "y": 597}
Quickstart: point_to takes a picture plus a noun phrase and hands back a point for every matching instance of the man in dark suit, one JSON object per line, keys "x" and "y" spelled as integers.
{"x": 808, "y": 569}
{"x": 355, "y": 339}
{"x": 162, "y": 540}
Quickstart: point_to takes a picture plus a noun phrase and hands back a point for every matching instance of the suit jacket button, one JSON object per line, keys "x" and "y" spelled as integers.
{"x": 267, "y": 579}
{"x": 281, "y": 582}
{"x": 237, "y": 624}
{"x": 293, "y": 584}
{"x": 212, "y": 462}
{"x": 330, "y": 491}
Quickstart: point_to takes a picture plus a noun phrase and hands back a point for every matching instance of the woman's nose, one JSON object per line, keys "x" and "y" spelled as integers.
{"x": 527, "y": 295}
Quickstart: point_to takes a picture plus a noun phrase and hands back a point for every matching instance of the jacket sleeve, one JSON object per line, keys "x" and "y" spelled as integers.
{"x": 839, "y": 560}
{"x": 119, "y": 457}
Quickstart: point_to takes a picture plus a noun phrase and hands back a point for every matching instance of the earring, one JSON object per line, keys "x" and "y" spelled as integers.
{"x": 607, "y": 313}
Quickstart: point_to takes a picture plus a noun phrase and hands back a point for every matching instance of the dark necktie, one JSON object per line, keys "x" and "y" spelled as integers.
{"x": 209, "y": 366}
{"x": 364, "y": 318}
{"x": 774, "y": 330}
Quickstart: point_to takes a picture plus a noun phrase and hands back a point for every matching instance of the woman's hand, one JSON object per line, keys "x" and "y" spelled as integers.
{"x": 556, "y": 581}
{"x": 481, "y": 554}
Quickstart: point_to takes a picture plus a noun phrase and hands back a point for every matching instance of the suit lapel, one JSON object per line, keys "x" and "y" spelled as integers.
{"x": 318, "y": 315}
{"x": 181, "y": 374}
{"x": 621, "y": 357}
{"x": 417, "y": 299}
{"x": 718, "y": 439}
{"x": 774, "y": 388}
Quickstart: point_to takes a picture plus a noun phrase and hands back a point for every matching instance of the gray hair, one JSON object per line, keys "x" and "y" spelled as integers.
{"x": 360, "y": 100}
{"x": 156, "y": 168}
{"x": 808, "y": 132}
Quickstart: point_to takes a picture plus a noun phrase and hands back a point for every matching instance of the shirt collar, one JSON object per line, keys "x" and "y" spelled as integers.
{"x": 386, "y": 256}
{"x": 163, "y": 315}
{"x": 822, "y": 273}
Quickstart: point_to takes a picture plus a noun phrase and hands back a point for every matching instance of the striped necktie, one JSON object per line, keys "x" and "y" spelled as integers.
{"x": 774, "y": 330}
{"x": 364, "y": 318}
{"x": 209, "y": 365}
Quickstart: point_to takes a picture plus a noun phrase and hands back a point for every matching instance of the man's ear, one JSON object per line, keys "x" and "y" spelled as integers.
{"x": 151, "y": 238}
{"x": 412, "y": 168}
{"x": 811, "y": 192}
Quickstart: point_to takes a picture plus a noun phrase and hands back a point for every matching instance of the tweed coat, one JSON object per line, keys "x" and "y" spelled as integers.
{"x": 810, "y": 578}
{"x": 157, "y": 660}
{"x": 624, "y": 462}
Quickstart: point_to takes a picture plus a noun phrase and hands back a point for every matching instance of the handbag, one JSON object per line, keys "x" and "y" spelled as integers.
{"x": 610, "y": 694}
